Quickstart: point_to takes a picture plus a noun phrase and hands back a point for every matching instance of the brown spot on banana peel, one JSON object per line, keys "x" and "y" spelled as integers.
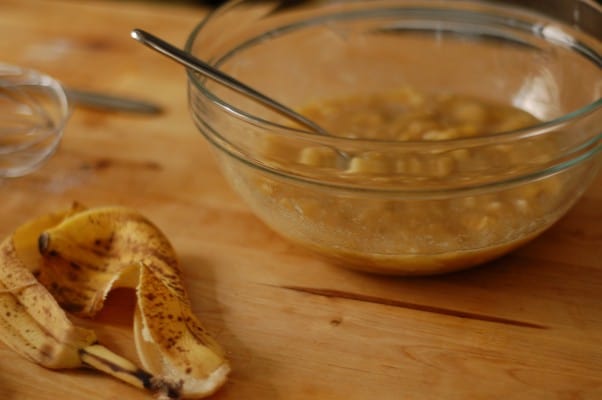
{"x": 46, "y": 352}
{"x": 44, "y": 243}
{"x": 105, "y": 245}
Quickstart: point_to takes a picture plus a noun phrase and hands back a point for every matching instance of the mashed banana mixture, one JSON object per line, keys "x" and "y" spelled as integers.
{"x": 396, "y": 227}
{"x": 406, "y": 115}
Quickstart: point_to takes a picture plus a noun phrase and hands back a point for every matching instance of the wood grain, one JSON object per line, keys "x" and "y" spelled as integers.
{"x": 528, "y": 326}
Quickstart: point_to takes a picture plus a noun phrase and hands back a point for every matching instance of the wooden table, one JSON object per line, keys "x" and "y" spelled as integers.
{"x": 528, "y": 326}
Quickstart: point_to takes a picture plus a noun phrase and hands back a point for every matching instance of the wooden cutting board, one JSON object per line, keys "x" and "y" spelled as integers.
{"x": 528, "y": 326}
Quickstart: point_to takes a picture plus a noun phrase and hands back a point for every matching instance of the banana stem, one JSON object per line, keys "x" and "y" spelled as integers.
{"x": 102, "y": 359}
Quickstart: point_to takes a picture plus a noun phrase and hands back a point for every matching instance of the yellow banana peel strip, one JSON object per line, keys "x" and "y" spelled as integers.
{"x": 83, "y": 254}
{"x": 31, "y": 321}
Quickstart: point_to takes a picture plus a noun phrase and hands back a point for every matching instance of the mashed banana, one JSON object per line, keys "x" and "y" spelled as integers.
{"x": 406, "y": 115}
{"x": 405, "y": 230}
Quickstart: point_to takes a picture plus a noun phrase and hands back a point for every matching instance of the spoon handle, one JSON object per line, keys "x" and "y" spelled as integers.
{"x": 111, "y": 103}
{"x": 207, "y": 70}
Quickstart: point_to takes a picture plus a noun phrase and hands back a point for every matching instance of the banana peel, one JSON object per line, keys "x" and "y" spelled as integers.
{"x": 76, "y": 257}
{"x": 32, "y": 322}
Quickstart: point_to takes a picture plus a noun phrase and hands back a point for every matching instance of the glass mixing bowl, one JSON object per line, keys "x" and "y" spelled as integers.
{"x": 415, "y": 206}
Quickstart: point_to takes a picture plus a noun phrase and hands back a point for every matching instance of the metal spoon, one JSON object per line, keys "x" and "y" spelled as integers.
{"x": 207, "y": 70}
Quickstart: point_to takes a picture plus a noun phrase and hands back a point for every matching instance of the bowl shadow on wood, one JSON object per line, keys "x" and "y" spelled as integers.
{"x": 552, "y": 281}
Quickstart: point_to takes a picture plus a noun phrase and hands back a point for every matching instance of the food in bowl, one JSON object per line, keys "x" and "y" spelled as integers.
{"x": 435, "y": 162}
{"x": 406, "y": 114}
{"x": 422, "y": 235}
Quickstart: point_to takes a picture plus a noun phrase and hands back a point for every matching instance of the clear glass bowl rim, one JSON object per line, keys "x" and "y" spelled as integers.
{"x": 593, "y": 143}
{"x": 534, "y": 130}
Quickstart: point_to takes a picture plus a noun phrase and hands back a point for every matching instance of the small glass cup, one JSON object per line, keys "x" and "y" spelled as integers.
{"x": 33, "y": 113}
